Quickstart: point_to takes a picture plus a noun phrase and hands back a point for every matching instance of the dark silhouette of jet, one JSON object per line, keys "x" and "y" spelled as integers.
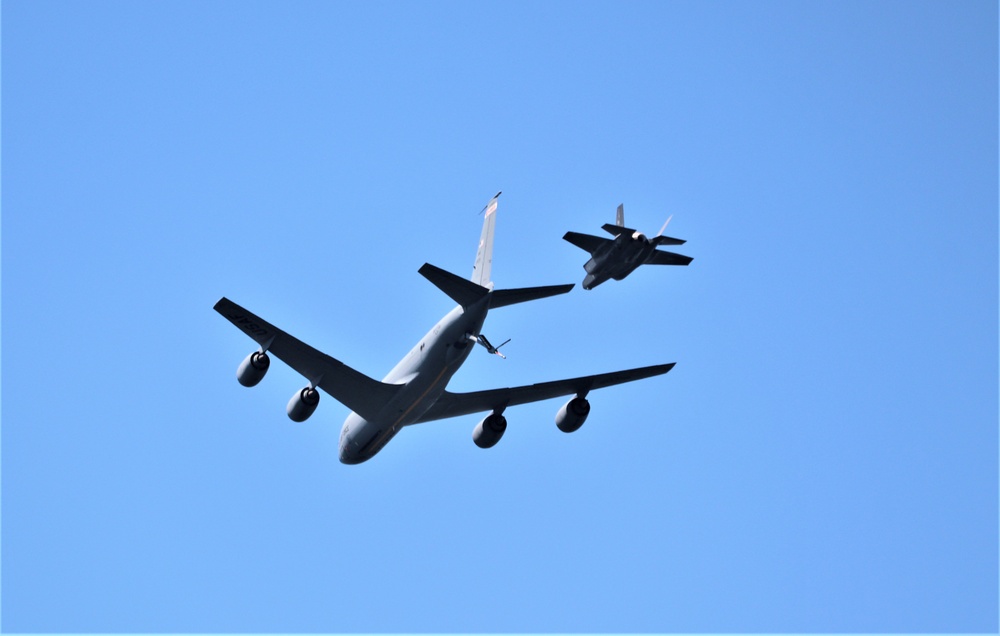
{"x": 618, "y": 257}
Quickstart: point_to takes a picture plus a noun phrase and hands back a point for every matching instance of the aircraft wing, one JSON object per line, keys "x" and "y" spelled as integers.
{"x": 668, "y": 258}
{"x": 585, "y": 241}
{"x": 355, "y": 390}
{"x": 456, "y": 404}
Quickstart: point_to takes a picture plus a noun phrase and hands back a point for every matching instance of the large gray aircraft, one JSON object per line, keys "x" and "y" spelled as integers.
{"x": 414, "y": 391}
{"x": 618, "y": 257}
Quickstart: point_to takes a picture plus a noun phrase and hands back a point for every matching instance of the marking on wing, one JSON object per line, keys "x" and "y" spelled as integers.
{"x": 247, "y": 325}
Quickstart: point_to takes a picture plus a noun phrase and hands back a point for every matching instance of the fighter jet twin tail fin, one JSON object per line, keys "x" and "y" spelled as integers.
{"x": 619, "y": 228}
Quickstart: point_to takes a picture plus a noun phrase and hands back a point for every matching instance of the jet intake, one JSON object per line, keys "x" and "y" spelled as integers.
{"x": 572, "y": 415}
{"x": 489, "y": 431}
{"x": 253, "y": 368}
{"x": 303, "y": 404}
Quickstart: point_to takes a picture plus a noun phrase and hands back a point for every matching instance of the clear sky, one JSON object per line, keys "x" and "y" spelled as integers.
{"x": 822, "y": 458}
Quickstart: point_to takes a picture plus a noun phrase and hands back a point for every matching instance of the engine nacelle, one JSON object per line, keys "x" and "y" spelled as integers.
{"x": 489, "y": 431}
{"x": 253, "y": 368}
{"x": 303, "y": 404}
{"x": 572, "y": 415}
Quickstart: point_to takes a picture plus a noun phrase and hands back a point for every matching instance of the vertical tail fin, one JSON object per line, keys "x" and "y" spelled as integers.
{"x": 481, "y": 271}
{"x": 619, "y": 226}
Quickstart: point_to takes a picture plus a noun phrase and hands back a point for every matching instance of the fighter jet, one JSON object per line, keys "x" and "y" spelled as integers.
{"x": 618, "y": 257}
{"x": 414, "y": 391}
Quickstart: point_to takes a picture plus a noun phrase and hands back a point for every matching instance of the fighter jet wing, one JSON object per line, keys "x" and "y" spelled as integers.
{"x": 355, "y": 390}
{"x": 456, "y": 404}
{"x": 668, "y": 258}
{"x": 585, "y": 241}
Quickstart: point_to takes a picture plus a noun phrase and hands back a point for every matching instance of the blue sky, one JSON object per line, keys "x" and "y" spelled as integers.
{"x": 824, "y": 456}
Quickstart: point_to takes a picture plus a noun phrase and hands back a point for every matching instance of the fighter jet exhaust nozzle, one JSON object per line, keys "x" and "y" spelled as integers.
{"x": 303, "y": 404}
{"x": 573, "y": 414}
{"x": 253, "y": 368}
{"x": 489, "y": 431}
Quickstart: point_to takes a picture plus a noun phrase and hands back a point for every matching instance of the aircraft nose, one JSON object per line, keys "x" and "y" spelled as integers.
{"x": 351, "y": 459}
{"x": 346, "y": 456}
{"x": 349, "y": 453}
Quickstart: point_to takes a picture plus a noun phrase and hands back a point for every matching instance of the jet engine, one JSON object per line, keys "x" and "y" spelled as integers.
{"x": 490, "y": 430}
{"x": 572, "y": 415}
{"x": 253, "y": 368}
{"x": 303, "y": 404}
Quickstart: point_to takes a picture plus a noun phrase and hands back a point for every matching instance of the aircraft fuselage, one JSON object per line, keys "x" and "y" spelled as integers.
{"x": 424, "y": 373}
{"x": 617, "y": 259}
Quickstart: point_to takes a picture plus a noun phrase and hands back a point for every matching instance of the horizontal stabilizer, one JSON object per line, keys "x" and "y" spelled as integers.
{"x": 667, "y": 240}
{"x": 586, "y": 241}
{"x": 615, "y": 230}
{"x": 668, "y": 258}
{"x": 462, "y": 291}
{"x": 504, "y": 297}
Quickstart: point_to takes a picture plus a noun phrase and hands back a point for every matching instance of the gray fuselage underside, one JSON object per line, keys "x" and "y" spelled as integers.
{"x": 424, "y": 374}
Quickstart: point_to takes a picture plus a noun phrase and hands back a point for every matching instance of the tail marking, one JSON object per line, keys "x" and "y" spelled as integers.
{"x": 481, "y": 271}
